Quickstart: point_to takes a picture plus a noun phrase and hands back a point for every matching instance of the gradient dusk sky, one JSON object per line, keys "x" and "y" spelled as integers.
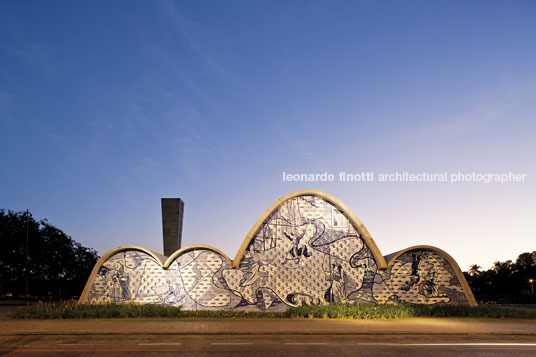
{"x": 107, "y": 106}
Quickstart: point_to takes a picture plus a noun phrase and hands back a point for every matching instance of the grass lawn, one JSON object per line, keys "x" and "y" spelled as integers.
{"x": 73, "y": 310}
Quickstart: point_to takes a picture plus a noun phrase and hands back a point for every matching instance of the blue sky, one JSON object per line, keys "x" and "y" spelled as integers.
{"x": 105, "y": 107}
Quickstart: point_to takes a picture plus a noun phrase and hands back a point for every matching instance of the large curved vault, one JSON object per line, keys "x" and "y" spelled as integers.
{"x": 308, "y": 247}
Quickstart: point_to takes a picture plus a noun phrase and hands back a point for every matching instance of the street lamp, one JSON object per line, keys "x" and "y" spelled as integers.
{"x": 531, "y": 281}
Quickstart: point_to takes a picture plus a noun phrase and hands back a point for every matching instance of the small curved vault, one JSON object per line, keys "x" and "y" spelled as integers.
{"x": 307, "y": 248}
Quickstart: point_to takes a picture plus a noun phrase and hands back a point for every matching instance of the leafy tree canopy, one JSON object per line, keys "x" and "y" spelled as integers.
{"x": 56, "y": 267}
{"x": 506, "y": 282}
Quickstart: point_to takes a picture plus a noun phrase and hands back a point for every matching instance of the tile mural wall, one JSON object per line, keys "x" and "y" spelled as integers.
{"x": 305, "y": 252}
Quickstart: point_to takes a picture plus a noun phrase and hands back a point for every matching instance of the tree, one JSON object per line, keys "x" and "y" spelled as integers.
{"x": 53, "y": 264}
{"x": 475, "y": 270}
{"x": 503, "y": 268}
{"x": 505, "y": 282}
{"x": 525, "y": 262}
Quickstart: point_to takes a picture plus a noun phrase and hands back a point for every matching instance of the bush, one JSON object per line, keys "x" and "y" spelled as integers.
{"x": 371, "y": 311}
{"x": 73, "y": 310}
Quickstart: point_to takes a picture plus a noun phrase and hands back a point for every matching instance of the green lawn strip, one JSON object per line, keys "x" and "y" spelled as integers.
{"x": 370, "y": 311}
{"x": 73, "y": 310}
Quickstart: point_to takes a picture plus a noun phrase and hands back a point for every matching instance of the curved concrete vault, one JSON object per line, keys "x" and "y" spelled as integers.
{"x": 307, "y": 248}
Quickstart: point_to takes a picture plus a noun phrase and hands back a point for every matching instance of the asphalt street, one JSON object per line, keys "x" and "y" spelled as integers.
{"x": 268, "y": 337}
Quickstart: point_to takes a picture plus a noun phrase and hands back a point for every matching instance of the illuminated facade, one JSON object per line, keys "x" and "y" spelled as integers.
{"x": 307, "y": 248}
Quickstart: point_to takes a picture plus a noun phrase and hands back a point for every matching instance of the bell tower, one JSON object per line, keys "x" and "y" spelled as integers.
{"x": 172, "y": 213}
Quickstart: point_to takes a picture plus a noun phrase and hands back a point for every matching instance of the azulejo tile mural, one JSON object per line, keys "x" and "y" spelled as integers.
{"x": 308, "y": 248}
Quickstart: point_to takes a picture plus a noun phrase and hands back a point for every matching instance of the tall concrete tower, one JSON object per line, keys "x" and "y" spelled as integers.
{"x": 172, "y": 212}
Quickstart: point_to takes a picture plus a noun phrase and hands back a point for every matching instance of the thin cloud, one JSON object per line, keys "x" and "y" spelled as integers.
{"x": 31, "y": 52}
{"x": 459, "y": 126}
{"x": 5, "y": 113}
{"x": 193, "y": 35}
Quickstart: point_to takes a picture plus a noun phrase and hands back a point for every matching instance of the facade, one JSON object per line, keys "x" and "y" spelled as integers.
{"x": 307, "y": 248}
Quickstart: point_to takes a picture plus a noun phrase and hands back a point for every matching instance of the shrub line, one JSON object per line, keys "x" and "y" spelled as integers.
{"x": 73, "y": 310}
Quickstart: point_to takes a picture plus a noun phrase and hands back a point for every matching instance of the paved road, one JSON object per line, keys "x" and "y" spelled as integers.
{"x": 266, "y": 337}
{"x": 267, "y": 345}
